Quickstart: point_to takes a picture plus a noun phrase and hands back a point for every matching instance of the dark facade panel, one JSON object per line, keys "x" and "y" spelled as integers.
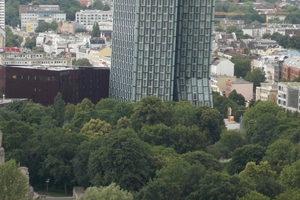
{"x": 42, "y": 85}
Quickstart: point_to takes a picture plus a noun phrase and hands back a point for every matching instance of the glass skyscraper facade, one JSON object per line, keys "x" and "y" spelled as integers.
{"x": 162, "y": 48}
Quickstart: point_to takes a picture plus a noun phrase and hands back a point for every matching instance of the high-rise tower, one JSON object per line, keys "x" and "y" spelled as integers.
{"x": 2, "y": 25}
{"x": 162, "y": 48}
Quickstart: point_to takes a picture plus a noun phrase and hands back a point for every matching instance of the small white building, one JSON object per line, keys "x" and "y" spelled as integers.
{"x": 222, "y": 66}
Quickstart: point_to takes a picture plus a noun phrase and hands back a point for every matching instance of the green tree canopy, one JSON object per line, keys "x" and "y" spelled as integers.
{"x": 256, "y": 77}
{"x": 95, "y": 127}
{"x": 150, "y": 110}
{"x": 111, "y": 192}
{"x": 241, "y": 66}
{"x": 13, "y": 184}
{"x": 123, "y": 159}
{"x": 253, "y": 195}
{"x": 82, "y": 62}
{"x": 241, "y": 156}
{"x": 237, "y": 98}
{"x": 96, "y": 30}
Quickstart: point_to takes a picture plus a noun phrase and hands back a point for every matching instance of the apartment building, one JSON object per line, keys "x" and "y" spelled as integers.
{"x": 267, "y": 91}
{"x": 30, "y": 19}
{"x": 2, "y": 14}
{"x": 288, "y": 96}
{"x": 89, "y": 17}
{"x": 290, "y": 68}
{"x": 162, "y": 48}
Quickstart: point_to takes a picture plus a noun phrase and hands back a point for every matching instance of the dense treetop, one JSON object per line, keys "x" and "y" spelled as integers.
{"x": 156, "y": 150}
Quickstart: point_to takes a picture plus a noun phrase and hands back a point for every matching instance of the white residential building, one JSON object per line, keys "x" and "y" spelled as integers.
{"x": 2, "y": 14}
{"x": 266, "y": 91}
{"x": 222, "y": 66}
{"x": 30, "y": 18}
{"x": 288, "y": 96}
{"x": 89, "y": 17}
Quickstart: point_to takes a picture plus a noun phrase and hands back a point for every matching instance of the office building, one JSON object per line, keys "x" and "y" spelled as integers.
{"x": 288, "y": 96}
{"x": 162, "y": 48}
{"x": 2, "y": 14}
{"x": 42, "y": 83}
{"x": 89, "y": 17}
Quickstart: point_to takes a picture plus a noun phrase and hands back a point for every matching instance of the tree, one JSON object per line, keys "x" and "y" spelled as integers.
{"x": 289, "y": 194}
{"x": 124, "y": 122}
{"x": 279, "y": 153}
{"x": 210, "y": 123}
{"x": 174, "y": 181}
{"x": 13, "y": 184}
{"x": 69, "y": 111}
{"x": 232, "y": 140}
{"x": 15, "y": 135}
{"x": 59, "y": 109}
{"x": 98, "y": 5}
{"x": 253, "y": 195}
{"x": 59, "y": 148}
{"x": 184, "y": 113}
{"x": 122, "y": 158}
{"x": 241, "y": 66}
{"x": 96, "y": 127}
{"x": 111, "y": 192}
{"x": 237, "y": 98}
{"x": 219, "y": 186}
{"x": 96, "y": 30}
{"x": 256, "y": 77}
{"x": 185, "y": 139}
{"x": 82, "y": 62}
{"x": 106, "y": 7}
{"x": 205, "y": 159}
{"x": 150, "y": 110}
{"x": 290, "y": 177}
{"x": 261, "y": 121}
{"x": 12, "y": 40}
{"x": 30, "y": 42}
{"x": 241, "y": 156}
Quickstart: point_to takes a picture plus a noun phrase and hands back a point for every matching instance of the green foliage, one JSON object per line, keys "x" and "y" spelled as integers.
{"x": 96, "y": 30}
{"x": 253, "y": 195}
{"x": 260, "y": 122}
{"x": 256, "y": 77}
{"x": 174, "y": 181}
{"x": 237, "y": 98}
{"x": 123, "y": 159}
{"x": 241, "y": 66}
{"x": 45, "y": 26}
{"x": 241, "y": 156}
{"x": 59, "y": 109}
{"x": 59, "y": 148}
{"x": 290, "y": 176}
{"x": 232, "y": 140}
{"x": 110, "y": 192}
{"x": 82, "y": 62}
{"x": 279, "y": 154}
{"x": 15, "y": 136}
{"x": 12, "y": 40}
{"x": 124, "y": 122}
{"x": 205, "y": 159}
{"x": 219, "y": 186}
{"x": 289, "y": 194}
{"x": 96, "y": 127}
{"x": 149, "y": 111}
{"x": 30, "y": 42}
{"x": 210, "y": 123}
{"x": 13, "y": 184}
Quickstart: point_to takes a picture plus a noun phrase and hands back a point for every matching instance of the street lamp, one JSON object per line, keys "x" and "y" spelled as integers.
{"x": 47, "y": 181}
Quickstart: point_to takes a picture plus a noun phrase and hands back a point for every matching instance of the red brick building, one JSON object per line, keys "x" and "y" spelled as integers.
{"x": 41, "y": 84}
{"x": 290, "y": 68}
